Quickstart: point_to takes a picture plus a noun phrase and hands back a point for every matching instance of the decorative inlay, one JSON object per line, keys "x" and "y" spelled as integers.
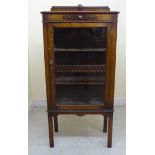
{"x": 80, "y": 21}
{"x": 79, "y": 17}
{"x": 80, "y": 68}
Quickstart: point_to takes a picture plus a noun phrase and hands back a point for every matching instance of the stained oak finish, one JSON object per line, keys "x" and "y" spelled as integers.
{"x": 105, "y": 124}
{"x": 50, "y": 128}
{"x": 56, "y": 123}
{"x": 79, "y": 54}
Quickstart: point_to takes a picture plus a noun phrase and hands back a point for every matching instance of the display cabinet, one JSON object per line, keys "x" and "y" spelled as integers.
{"x": 79, "y": 52}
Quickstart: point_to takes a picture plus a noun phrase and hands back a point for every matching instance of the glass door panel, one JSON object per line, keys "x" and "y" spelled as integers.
{"x": 80, "y": 65}
{"x": 79, "y": 38}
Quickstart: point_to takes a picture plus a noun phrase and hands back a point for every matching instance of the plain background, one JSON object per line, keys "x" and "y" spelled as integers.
{"x": 14, "y": 77}
{"x": 37, "y": 89}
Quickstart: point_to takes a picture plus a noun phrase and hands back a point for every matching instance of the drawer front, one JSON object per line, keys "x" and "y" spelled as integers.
{"x": 80, "y": 17}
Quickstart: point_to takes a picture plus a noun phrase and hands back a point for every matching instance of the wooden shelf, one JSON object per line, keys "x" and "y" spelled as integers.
{"x": 80, "y": 68}
{"x": 83, "y": 83}
{"x": 72, "y": 80}
{"x": 80, "y": 50}
{"x": 79, "y": 101}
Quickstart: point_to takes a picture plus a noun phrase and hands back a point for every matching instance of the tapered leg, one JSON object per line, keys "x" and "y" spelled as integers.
{"x": 50, "y": 128}
{"x": 110, "y": 126}
{"x": 56, "y": 123}
{"x": 105, "y": 124}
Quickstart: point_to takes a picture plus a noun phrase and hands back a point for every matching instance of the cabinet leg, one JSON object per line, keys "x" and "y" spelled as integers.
{"x": 50, "y": 128}
{"x": 105, "y": 124}
{"x": 56, "y": 123}
{"x": 110, "y": 126}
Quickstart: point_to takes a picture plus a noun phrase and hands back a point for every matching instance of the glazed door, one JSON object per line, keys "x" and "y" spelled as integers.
{"x": 78, "y": 63}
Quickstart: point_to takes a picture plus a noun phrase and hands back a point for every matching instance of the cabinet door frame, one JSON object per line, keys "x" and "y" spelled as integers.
{"x": 110, "y": 62}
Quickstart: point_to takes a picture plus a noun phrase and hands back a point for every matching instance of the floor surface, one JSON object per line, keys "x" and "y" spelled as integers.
{"x": 77, "y": 135}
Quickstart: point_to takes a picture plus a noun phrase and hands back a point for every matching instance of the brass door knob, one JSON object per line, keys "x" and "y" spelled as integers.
{"x": 51, "y": 62}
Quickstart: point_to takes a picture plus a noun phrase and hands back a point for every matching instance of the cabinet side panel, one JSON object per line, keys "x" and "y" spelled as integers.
{"x": 52, "y": 64}
{"x": 107, "y": 79}
{"x": 46, "y": 60}
{"x": 113, "y": 34}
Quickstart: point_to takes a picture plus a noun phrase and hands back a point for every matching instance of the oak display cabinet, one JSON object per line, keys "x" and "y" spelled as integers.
{"x": 79, "y": 52}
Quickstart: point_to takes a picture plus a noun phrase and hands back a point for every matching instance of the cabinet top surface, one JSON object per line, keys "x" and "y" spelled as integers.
{"x": 80, "y": 9}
